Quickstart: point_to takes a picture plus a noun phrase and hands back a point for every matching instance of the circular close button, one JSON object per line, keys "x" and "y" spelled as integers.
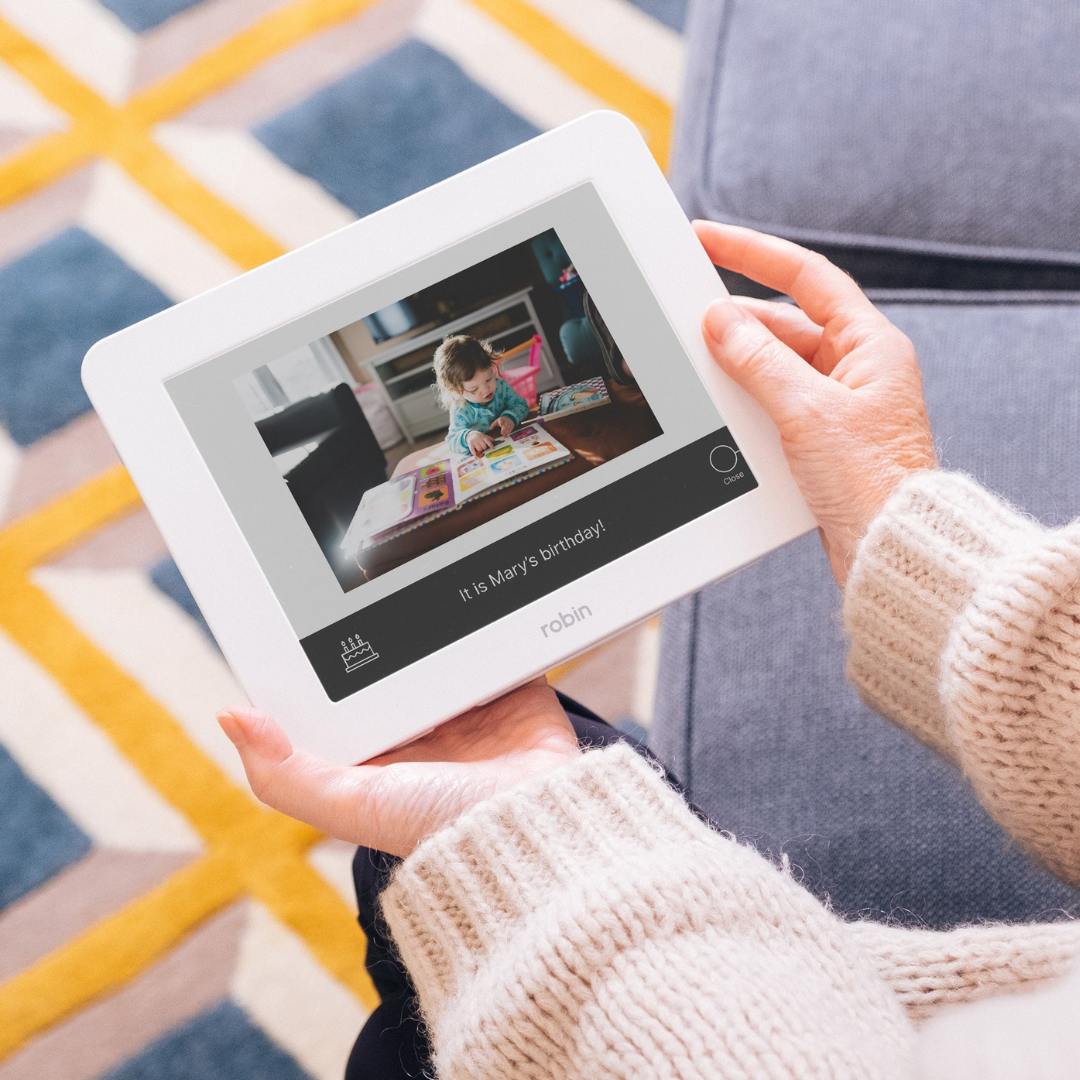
{"x": 723, "y": 458}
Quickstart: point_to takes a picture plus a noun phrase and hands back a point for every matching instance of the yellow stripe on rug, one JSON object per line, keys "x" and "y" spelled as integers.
{"x": 114, "y": 951}
{"x": 101, "y": 130}
{"x": 241, "y": 54}
{"x": 652, "y": 114}
{"x": 64, "y": 521}
{"x": 254, "y": 851}
{"x": 125, "y": 134}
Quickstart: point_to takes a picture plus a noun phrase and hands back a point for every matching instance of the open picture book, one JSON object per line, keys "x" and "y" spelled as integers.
{"x": 417, "y": 497}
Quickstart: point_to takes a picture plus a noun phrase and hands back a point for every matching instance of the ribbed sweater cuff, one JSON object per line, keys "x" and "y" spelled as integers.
{"x": 913, "y": 574}
{"x": 467, "y": 890}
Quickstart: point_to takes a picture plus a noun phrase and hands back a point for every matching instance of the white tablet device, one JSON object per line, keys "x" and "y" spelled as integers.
{"x": 364, "y": 577}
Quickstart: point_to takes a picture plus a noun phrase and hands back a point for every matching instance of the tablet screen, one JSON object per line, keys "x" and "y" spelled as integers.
{"x": 419, "y": 459}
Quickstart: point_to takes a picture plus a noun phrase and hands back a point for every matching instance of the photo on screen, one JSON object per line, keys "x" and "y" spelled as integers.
{"x": 448, "y": 409}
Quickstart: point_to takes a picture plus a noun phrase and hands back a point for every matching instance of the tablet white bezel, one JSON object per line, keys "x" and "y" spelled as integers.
{"x": 125, "y": 377}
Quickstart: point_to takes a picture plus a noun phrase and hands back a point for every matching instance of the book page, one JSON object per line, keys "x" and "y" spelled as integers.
{"x": 388, "y": 508}
{"x": 526, "y": 450}
{"x": 382, "y": 507}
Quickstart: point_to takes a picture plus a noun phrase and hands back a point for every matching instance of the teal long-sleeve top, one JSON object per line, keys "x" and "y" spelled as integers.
{"x": 468, "y": 416}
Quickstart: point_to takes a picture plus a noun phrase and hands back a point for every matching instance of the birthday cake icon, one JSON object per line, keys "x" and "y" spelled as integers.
{"x": 356, "y": 652}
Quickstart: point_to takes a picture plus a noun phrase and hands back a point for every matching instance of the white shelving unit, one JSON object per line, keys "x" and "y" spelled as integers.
{"x": 404, "y": 370}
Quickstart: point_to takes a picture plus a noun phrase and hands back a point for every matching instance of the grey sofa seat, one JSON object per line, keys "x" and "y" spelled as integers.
{"x": 753, "y": 710}
{"x": 931, "y": 150}
{"x": 919, "y": 144}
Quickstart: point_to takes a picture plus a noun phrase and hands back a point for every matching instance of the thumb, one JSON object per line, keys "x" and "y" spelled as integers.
{"x": 256, "y": 737}
{"x": 296, "y": 783}
{"x": 758, "y": 361}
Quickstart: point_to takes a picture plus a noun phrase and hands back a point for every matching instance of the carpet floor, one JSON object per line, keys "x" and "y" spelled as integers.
{"x": 155, "y": 921}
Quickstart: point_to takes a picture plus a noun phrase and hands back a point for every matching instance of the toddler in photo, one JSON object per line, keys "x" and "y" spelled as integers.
{"x": 482, "y": 405}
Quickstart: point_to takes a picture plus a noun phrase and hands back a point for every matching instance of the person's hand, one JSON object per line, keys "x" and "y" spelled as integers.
{"x": 840, "y": 382}
{"x": 392, "y": 802}
{"x": 503, "y": 426}
{"x": 479, "y": 442}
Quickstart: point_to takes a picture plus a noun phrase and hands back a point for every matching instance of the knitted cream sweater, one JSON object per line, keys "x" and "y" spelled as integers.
{"x": 586, "y": 924}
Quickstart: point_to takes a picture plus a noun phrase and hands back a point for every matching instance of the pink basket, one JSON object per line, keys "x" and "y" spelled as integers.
{"x": 522, "y": 378}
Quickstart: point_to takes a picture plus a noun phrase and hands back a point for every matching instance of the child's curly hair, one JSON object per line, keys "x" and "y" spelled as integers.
{"x": 457, "y": 359}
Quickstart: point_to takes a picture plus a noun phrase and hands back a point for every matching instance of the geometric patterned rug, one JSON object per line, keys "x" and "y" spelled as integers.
{"x": 155, "y": 921}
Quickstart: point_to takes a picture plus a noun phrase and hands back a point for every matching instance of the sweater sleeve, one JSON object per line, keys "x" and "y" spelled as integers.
{"x": 460, "y": 426}
{"x": 512, "y": 404}
{"x": 586, "y": 924}
{"x": 964, "y": 626}
{"x": 932, "y": 969}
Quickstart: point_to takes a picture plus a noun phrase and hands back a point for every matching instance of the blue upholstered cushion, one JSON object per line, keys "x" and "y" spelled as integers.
{"x": 946, "y": 129}
{"x": 754, "y": 712}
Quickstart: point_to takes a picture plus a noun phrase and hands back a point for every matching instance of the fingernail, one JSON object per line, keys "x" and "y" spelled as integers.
{"x": 719, "y": 315}
{"x": 230, "y": 723}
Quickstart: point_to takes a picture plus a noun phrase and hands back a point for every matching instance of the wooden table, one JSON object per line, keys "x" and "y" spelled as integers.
{"x": 595, "y": 436}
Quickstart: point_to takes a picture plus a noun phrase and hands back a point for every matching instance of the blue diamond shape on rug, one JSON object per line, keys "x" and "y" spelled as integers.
{"x": 38, "y": 839}
{"x": 218, "y": 1043}
{"x": 672, "y": 12}
{"x": 405, "y": 120}
{"x": 55, "y": 302}
{"x": 140, "y": 15}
